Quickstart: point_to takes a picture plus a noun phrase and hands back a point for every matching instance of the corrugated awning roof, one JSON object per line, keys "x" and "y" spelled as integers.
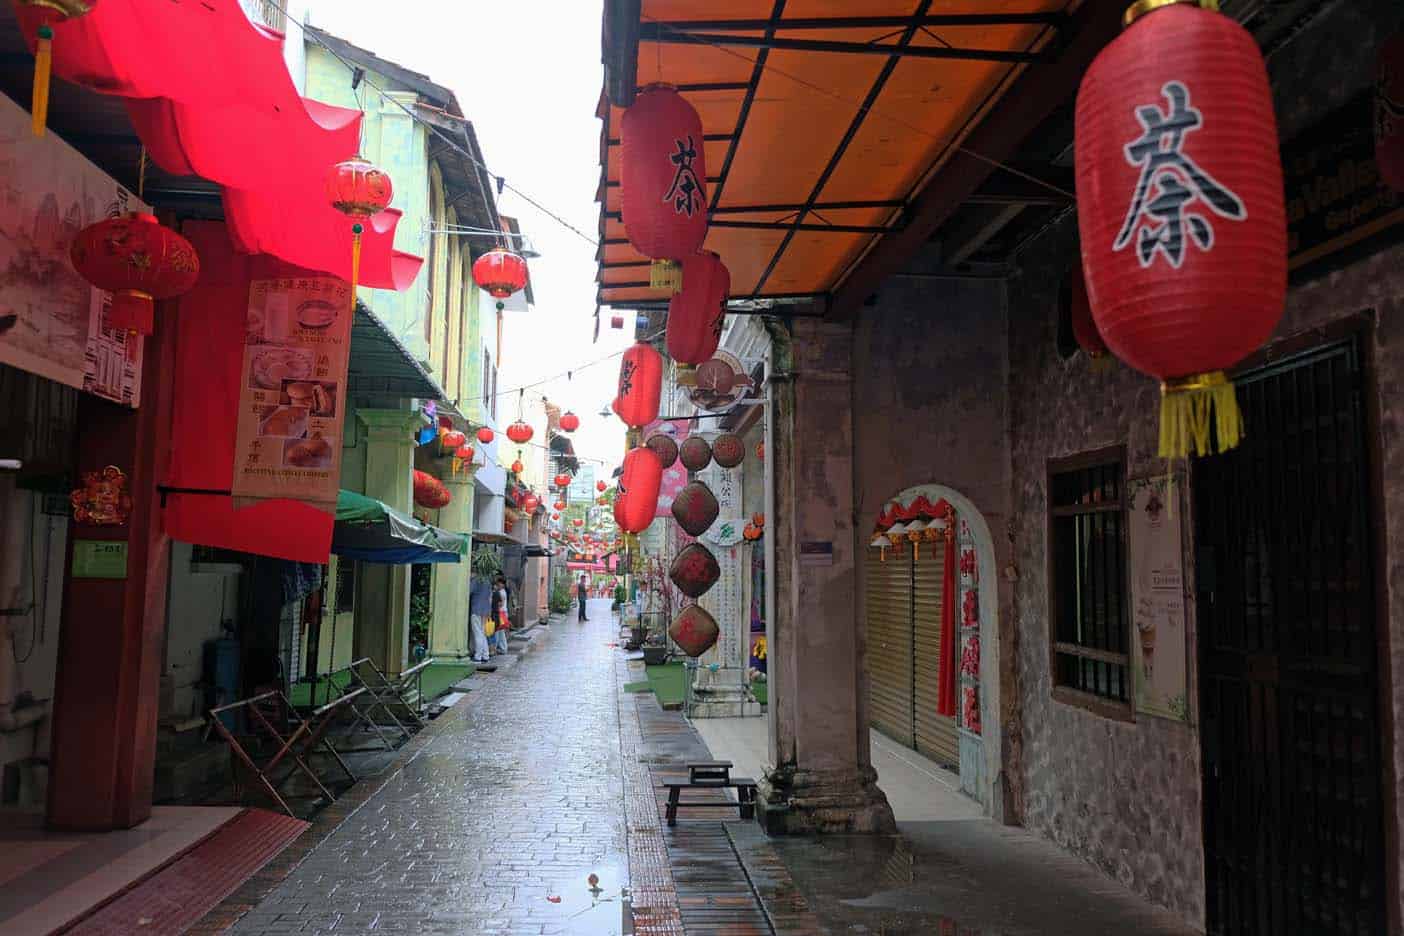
{"x": 382, "y": 367}
{"x": 820, "y": 130}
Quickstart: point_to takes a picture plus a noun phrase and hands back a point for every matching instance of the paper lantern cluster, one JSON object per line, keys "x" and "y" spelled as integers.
{"x": 430, "y": 492}
{"x": 1180, "y": 210}
{"x": 138, "y": 260}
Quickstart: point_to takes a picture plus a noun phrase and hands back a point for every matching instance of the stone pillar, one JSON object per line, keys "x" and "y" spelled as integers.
{"x": 823, "y": 780}
{"x": 383, "y": 591}
{"x": 448, "y": 631}
{"x": 720, "y": 687}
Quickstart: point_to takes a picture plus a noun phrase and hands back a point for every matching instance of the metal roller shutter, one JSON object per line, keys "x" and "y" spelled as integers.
{"x": 888, "y": 659}
{"x": 936, "y": 735}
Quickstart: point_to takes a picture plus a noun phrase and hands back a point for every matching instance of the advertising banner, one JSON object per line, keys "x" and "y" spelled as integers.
{"x": 1158, "y": 599}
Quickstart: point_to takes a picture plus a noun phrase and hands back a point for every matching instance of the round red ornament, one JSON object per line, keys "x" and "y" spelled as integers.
{"x": 463, "y": 453}
{"x": 664, "y": 447}
{"x": 662, "y": 175}
{"x": 559, "y": 505}
{"x": 1180, "y": 209}
{"x": 520, "y": 432}
{"x": 486, "y": 435}
{"x": 695, "y": 453}
{"x": 500, "y": 272}
{"x": 578, "y": 522}
{"x": 570, "y": 422}
{"x": 358, "y": 189}
{"x": 452, "y": 439}
{"x": 601, "y": 486}
{"x": 728, "y": 450}
{"x": 530, "y": 503}
{"x": 517, "y": 466}
{"x": 138, "y": 260}
{"x": 697, "y": 313}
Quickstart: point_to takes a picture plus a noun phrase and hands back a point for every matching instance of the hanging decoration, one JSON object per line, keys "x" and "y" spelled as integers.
{"x": 1180, "y": 209}
{"x": 663, "y": 180}
{"x": 728, "y": 450}
{"x": 51, "y": 13}
{"x": 694, "y": 630}
{"x": 1389, "y": 112}
{"x": 429, "y": 491}
{"x": 559, "y": 505}
{"x": 520, "y": 431}
{"x": 697, "y": 313}
{"x": 486, "y": 435}
{"x": 636, "y": 495}
{"x": 103, "y": 500}
{"x": 500, "y": 272}
{"x": 577, "y": 523}
{"x": 881, "y": 543}
{"x": 664, "y": 448}
{"x": 640, "y": 386}
{"x": 562, "y": 480}
{"x": 518, "y": 467}
{"x": 359, "y": 190}
{"x": 530, "y": 503}
{"x": 696, "y": 454}
{"x": 1084, "y": 329}
{"x": 138, "y": 260}
{"x": 946, "y": 677}
{"x": 452, "y": 440}
{"x": 915, "y": 529}
{"x": 695, "y": 508}
{"x": 695, "y": 570}
{"x": 570, "y": 422}
{"x": 462, "y": 455}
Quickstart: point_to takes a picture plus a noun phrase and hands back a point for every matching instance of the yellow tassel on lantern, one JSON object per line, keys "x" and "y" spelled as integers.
{"x": 357, "y": 230}
{"x": 43, "y": 65}
{"x": 665, "y": 274}
{"x": 1190, "y": 407}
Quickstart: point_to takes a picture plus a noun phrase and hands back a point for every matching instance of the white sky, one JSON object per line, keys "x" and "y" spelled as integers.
{"x": 527, "y": 74}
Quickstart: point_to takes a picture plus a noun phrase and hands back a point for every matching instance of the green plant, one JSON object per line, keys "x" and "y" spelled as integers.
{"x": 421, "y": 603}
{"x": 562, "y": 597}
{"x": 620, "y": 595}
{"x": 486, "y": 563}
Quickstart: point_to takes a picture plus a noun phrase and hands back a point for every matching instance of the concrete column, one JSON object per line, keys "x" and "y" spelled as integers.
{"x": 383, "y": 591}
{"x": 823, "y": 780}
{"x": 448, "y": 631}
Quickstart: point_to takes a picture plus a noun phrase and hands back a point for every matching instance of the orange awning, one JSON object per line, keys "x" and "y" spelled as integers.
{"x": 822, "y": 122}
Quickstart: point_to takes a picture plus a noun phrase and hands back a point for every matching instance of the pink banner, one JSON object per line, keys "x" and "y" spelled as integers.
{"x": 674, "y": 476}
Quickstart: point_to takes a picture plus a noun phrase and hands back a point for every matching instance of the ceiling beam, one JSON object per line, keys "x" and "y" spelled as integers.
{"x": 1006, "y": 188}
{"x": 1034, "y": 96}
{"x": 621, "y": 50}
{"x": 965, "y": 242}
{"x": 904, "y": 50}
{"x": 650, "y": 29}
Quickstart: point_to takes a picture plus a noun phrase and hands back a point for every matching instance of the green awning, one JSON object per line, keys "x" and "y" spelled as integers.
{"x": 369, "y": 530}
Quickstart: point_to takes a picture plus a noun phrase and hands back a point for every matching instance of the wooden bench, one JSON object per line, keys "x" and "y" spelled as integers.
{"x": 711, "y": 775}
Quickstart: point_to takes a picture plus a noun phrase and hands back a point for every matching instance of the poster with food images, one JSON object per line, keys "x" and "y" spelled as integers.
{"x": 1158, "y": 639}
{"x": 292, "y": 398}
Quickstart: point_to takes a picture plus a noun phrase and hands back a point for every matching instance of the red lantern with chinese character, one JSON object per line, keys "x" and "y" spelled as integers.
{"x": 636, "y": 499}
{"x": 696, "y": 454}
{"x": 1389, "y": 112}
{"x": 486, "y": 435}
{"x": 138, "y": 260}
{"x": 640, "y": 385}
{"x": 570, "y": 422}
{"x": 1180, "y": 209}
{"x": 662, "y": 175}
{"x": 452, "y": 439}
{"x": 664, "y": 447}
{"x": 694, "y": 630}
{"x": 728, "y": 450}
{"x": 501, "y": 273}
{"x": 357, "y": 189}
{"x": 520, "y": 432}
{"x": 696, "y": 314}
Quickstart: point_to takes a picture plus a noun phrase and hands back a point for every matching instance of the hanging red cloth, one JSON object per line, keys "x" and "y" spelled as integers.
{"x": 209, "y": 361}
{"x": 950, "y": 584}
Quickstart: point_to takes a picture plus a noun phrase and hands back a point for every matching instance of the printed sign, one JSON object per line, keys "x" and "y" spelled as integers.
{"x": 1157, "y": 600}
{"x": 292, "y": 395}
{"x": 100, "y": 559}
{"x": 51, "y": 319}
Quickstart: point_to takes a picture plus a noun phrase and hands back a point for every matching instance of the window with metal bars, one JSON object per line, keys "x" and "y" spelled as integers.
{"x": 1087, "y": 581}
{"x": 345, "y": 586}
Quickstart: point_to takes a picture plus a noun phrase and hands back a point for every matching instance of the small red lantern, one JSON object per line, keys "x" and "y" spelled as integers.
{"x": 1180, "y": 208}
{"x": 358, "y": 189}
{"x": 601, "y": 486}
{"x": 697, "y": 313}
{"x": 138, "y": 260}
{"x": 559, "y": 505}
{"x": 577, "y": 522}
{"x": 696, "y": 454}
{"x": 1389, "y": 113}
{"x": 556, "y": 516}
{"x": 501, "y": 273}
{"x": 517, "y": 466}
{"x": 570, "y": 422}
{"x": 429, "y": 491}
{"x": 461, "y": 455}
{"x": 636, "y": 500}
{"x": 520, "y": 432}
{"x": 562, "y": 480}
{"x": 640, "y": 385}
{"x": 664, "y": 447}
{"x": 728, "y": 450}
{"x": 530, "y": 503}
{"x": 486, "y": 435}
{"x": 663, "y": 177}
{"x": 760, "y": 451}
{"x": 1084, "y": 328}
{"x": 453, "y": 439}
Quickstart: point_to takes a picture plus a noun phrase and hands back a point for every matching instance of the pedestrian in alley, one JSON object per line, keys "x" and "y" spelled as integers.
{"x": 582, "y": 593}
{"x": 499, "y": 615}
{"x": 479, "y": 607}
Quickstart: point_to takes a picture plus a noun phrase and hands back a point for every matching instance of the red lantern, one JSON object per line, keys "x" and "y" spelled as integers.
{"x": 138, "y": 260}
{"x": 616, "y": 322}
{"x": 1180, "y": 208}
{"x": 578, "y": 522}
{"x": 358, "y": 189}
{"x": 1389, "y": 113}
{"x": 728, "y": 450}
{"x": 520, "y": 432}
{"x": 464, "y": 452}
{"x": 562, "y": 480}
{"x": 429, "y": 491}
{"x": 696, "y": 454}
{"x": 530, "y": 503}
{"x": 664, "y": 447}
{"x": 517, "y": 466}
{"x": 601, "y": 486}
{"x": 486, "y": 435}
{"x": 640, "y": 385}
{"x": 559, "y": 505}
{"x": 697, "y": 313}
{"x": 695, "y": 508}
{"x": 695, "y": 570}
{"x": 452, "y": 439}
{"x": 663, "y": 175}
{"x": 636, "y": 500}
{"x": 1080, "y": 313}
{"x": 570, "y": 422}
{"x": 556, "y": 516}
{"x": 501, "y": 273}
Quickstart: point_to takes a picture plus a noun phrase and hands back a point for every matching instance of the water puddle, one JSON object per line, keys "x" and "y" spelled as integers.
{"x": 594, "y": 901}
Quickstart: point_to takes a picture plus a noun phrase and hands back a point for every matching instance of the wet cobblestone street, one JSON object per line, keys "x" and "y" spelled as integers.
{"x": 496, "y": 824}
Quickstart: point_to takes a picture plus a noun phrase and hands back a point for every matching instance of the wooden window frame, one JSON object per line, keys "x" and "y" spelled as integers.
{"x": 1068, "y": 695}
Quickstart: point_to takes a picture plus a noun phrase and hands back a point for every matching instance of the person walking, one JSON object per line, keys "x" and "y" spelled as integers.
{"x": 582, "y": 594}
{"x": 500, "y": 614}
{"x": 479, "y": 607}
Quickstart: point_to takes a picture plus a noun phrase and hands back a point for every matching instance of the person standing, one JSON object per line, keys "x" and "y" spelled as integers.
{"x": 479, "y": 607}
{"x": 582, "y": 594}
{"x": 499, "y": 613}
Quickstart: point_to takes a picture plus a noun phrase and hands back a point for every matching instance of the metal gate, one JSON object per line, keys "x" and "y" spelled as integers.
{"x": 1287, "y": 659}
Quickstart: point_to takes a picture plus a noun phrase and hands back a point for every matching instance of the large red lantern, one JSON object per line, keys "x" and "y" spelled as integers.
{"x": 429, "y": 491}
{"x": 697, "y": 313}
{"x": 138, "y": 260}
{"x": 662, "y": 177}
{"x": 570, "y": 422}
{"x": 1180, "y": 208}
{"x": 357, "y": 189}
{"x": 501, "y": 273}
{"x": 636, "y": 498}
{"x": 1389, "y": 112}
{"x": 486, "y": 435}
{"x": 530, "y": 503}
{"x": 640, "y": 385}
{"x": 520, "y": 432}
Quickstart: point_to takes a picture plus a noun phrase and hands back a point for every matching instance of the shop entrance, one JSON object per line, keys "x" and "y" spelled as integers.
{"x": 1289, "y": 685}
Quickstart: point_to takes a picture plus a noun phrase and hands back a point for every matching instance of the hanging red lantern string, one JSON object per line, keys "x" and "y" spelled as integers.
{"x": 640, "y": 385}
{"x": 500, "y": 272}
{"x": 138, "y": 260}
{"x": 663, "y": 180}
{"x": 359, "y": 190}
{"x": 1180, "y": 209}
{"x": 52, "y": 13}
{"x": 570, "y": 422}
{"x": 520, "y": 432}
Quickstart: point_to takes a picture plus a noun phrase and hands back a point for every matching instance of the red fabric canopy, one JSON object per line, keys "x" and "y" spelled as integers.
{"x": 210, "y": 95}
{"x": 209, "y": 357}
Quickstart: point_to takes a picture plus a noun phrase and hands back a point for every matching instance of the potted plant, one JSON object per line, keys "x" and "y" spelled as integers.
{"x": 658, "y": 602}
